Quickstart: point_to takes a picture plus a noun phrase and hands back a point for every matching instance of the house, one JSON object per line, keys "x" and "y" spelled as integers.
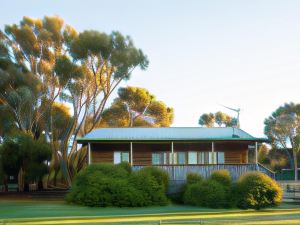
{"x": 178, "y": 150}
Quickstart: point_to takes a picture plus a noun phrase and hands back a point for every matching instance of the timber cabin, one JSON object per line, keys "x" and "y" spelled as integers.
{"x": 178, "y": 150}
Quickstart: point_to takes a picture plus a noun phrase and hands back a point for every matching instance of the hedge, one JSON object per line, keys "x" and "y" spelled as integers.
{"x": 208, "y": 193}
{"x": 116, "y": 185}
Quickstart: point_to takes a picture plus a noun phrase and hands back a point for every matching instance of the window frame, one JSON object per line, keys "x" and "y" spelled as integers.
{"x": 119, "y": 157}
{"x": 194, "y": 159}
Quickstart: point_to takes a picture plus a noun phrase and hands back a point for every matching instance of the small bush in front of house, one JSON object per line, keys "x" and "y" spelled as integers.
{"x": 109, "y": 170}
{"x": 126, "y": 166}
{"x": 257, "y": 190}
{"x": 192, "y": 178}
{"x": 208, "y": 193}
{"x": 115, "y": 185}
{"x": 160, "y": 175}
{"x": 151, "y": 191}
{"x": 222, "y": 176}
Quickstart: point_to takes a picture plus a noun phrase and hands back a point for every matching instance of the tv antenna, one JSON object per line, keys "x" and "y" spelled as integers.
{"x": 238, "y": 110}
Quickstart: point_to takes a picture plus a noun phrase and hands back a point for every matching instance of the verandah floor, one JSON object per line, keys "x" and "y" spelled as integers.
{"x": 58, "y": 212}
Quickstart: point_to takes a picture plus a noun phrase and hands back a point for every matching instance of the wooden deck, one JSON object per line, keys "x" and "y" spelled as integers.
{"x": 179, "y": 172}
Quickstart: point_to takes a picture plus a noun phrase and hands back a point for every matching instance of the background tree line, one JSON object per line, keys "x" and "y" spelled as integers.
{"x": 282, "y": 128}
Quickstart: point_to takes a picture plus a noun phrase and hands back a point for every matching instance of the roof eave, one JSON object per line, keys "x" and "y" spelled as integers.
{"x": 83, "y": 140}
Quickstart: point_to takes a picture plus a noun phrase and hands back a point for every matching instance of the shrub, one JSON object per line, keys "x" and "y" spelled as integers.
{"x": 126, "y": 166}
{"x": 109, "y": 170}
{"x": 257, "y": 190}
{"x": 192, "y": 178}
{"x": 88, "y": 190}
{"x": 115, "y": 185}
{"x": 151, "y": 191}
{"x": 221, "y": 176}
{"x": 207, "y": 193}
{"x": 160, "y": 175}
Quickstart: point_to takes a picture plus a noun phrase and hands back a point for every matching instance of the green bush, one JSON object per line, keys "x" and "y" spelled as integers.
{"x": 115, "y": 185}
{"x": 257, "y": 190}
{"x": 221, "y": 176}
{"x": 109, "y": 170}
{"x": 152, "y": 192}
{"x": 160, "y": 175}
{"x": 208, "y": 193}
{"x": 126, "y": 166}
{"x": 192, "y": 178}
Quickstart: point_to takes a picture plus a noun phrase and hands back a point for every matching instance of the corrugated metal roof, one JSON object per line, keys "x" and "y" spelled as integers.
{"x": 168, "y": 134}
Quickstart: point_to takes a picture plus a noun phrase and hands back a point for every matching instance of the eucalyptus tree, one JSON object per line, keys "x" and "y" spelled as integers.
{"x": 219, "y": 118}
{"x": 137, "y": 107}
{"x": 283, "y": 129}
{"x": 81, "y": 69}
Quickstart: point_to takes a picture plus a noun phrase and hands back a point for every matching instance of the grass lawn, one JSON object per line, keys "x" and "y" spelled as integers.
{"x": 57, "y": 212}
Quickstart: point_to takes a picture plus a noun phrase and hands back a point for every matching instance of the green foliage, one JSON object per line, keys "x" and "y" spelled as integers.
{"x": 253, "y": 190}
{"x": 137, "y": 107}
{"x": 161, "y": 176}
{"x": 219, "y": 118}
{"x": 207, "y": 119}
{"x": 116, "y": 185}
{"x": 44, "y": 63}
{"x": 126, "y": 166}
{"x": 263, "y": 155}
{"x": 22, "y": 151}
{"x": 283, "y": 129}
{"x": 192, "y": 178}
{"x": 208, "y": 193}
{"x": 151, "y": 191}
{"x": 221, "y": 176}
{"x": 256, "y": 190}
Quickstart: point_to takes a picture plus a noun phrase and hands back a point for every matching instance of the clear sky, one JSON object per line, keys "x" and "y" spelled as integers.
{"x": 202, "y": 53}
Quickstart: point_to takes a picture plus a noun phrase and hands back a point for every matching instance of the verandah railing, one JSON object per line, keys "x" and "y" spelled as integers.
{"x": 179, "y": 172}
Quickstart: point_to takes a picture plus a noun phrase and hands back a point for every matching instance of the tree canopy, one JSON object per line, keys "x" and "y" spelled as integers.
{"x": 217, "y": 119}
{"x": 137, "y": 107}
{"x": 46, "y": 64}
{"x": 283, "y": 129}
{"x": 20, "y": 151}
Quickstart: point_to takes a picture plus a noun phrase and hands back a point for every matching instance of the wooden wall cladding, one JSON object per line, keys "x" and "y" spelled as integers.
{"x": 104, "y": 152}
{"x": 142, "y": 152}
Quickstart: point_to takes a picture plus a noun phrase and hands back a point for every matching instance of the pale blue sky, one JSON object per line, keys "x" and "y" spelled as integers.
{"x": 202, "y": 53}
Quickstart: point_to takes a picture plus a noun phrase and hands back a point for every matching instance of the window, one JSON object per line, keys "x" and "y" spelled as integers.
{"x": 181, "y": 157}
{"x": 155, "y": 158}
{"x": 192, "y": 157}
{"x": 175, "y": 157}
{"x": 212, "y": 158}
{"x": 203, "y": 158}
{"x": 207, "y": 157}
{"x": 221, "y": 157}
{"x": 121, "y": 157}
{"x": 160, "y": 158}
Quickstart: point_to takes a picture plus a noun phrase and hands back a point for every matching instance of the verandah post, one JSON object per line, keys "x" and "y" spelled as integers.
{"x": 256, "y": 153}
{"x": 89, "y": 153}
{"x": 172, "y": 160}
{"x": 256, "y": 161}
{"x": 172, "y": 153}
{"x": 131, "y": 154}
{"x": 213, "y": 150}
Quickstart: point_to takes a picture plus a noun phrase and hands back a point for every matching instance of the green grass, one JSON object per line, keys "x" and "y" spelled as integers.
{"x": 58, "y": 212}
